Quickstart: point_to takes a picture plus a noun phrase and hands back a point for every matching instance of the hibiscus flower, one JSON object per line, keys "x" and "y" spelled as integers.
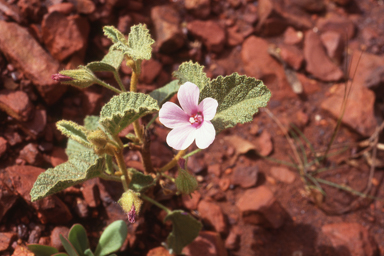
{"x": 190, "y": 122}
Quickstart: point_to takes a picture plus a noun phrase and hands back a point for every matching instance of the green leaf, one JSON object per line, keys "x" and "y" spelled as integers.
{"x": 42, "y": 250}
{"x": 112, "y": 238}
{"x": 74, "y": 148}
{"x": 109, "y": 165}
{"x": 78, "y": 238}
{"x": 69, "y": 248}
{"x": 185, "y": 182}
{"x": 139, "y": 181}
{"x": 110, "y": 63}
{"x": 81, "y": 167}
{"x": 239, "y": 98}
{"x": 192, "y": 72}
{"x": 88, "y": 252}
{"x": 139, "y": 43}
{"x": 114, "y": 34}
{"x": 185, "y": 229}
{"x": 91, "y": 122}
{"x": 166, "y": 92}
{"x": 74, "y": 131}
{"x": 124, "y": 109}
{"x": 59, "y": 254}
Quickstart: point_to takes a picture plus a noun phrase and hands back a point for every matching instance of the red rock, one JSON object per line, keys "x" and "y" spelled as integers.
{"x": 291, "y": 36}
{"x": 16, "y": 104}
{"x": 334, "y": 44}
{"x": 62, "y": 35}
{"x": 33, "y": 9}
{"x": 81, "y": 208}
{"x": 191, "y": 201}
{"x": 11, "y": 11}
{"x": 301, "y": 119}
{"x": 31, "y": 154}
{"x": 259, "y": 64}
{"x": 3, "y": 146}
{"x": 207, "y": 243}
{"x": 318, "y": 63}
{"x": 13, "y": 138}
{"x": 55, "y": 237}
{"x": 342, "y": 2}
{"x": 158, "y": 251}
{"x": 264, "y": 142}
{"x": 215, "y": 170}
{"x": 359, "y": 113}
{"x": 64, "y": 8}
{"x": 6, "y": 239}
{"x": 52, "y": 210}
{"x": 36, "y": 126}
{"x": 235, "y": 37}
{"x": 150, "y": 69}
{"x": 45, "y": 240}
{"x": 85, "y": 6}
{"x": 308, "y": 5}
{"x": 92, "y": 102}
{"x": 91, "y": 192}
{"x": 124, "y": 24}
{"x": 292, "y": 55}
{"x": 58, "y": 156}
{"x": 199, "y": 8}
{"x": 337, "y": 23}
{"x": 169, "y": 37}
{"x": 350, "y": 236}
{"x": 22, "y": 50}
{"x": 259, "y": 206}
{"x": 232, "y": 241}
{"x": 245, "y": 177}
{"x": 283, "y": 174}
{"x": 212, "y": 215}
{"x": 224, "y": 183}
{"x": 210, "y": 32}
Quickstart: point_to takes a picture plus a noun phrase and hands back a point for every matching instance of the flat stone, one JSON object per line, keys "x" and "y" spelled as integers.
{"x": 169, "y": 37}
{"x": 258, "y": 63}
{"x": 63, "y": 35}
{"x": 318, "y": 63}
{"x": 337, "y": 23}
{"x": 22, "y": 50}
{"x": 212, "y": 215}
{"x": 8, "y": 196}
{"x": 16, "y": 104}
{"x": 210, "y": 32}
{"x": 207, "y": 243}
{"x": 91, "y": 192}
{"x": 58, "y": 156}
{"x": 264, "y": 143}
{"x": 199, "y": 8}
{"x": 31, "y": 154}
{"x": 259, "y": 206}
{"x": 351, "y": 236}
{"x": 234, "y": 36}
{"x": 36, "y": 126}
{"x": 334, "y": 44}
{"x": 292, "y": 55}
{"x": 245, "y": 176}
{"x": 191, "y": 201}
{"x": 6, "y": 239}
{"x": 53, "y": 210}
{"x": 64, "y": 8}
{"x": 55, "y": 237}
{"x": 283, "y": 174}
{"x": 293, "y": 37}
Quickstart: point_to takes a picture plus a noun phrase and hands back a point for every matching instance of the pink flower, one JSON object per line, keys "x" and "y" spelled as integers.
{"x": 192, "y": 122}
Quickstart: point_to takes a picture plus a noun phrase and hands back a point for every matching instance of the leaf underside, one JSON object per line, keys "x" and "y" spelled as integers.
{"x": 91, "y": 122}
{"x": 192, "y": 72}
{"x": 139, "y": 43}
{"x": 185, "y": 229}
{"x": 110, "y": 63}
{"x": 74, "y": 131}
{"x": 166, "y": 92}
{"x": 80, "y": 167}
{"x": 139, "y": 181}
{"x": 124, "y": 109}
{"x": 239, "y": 98}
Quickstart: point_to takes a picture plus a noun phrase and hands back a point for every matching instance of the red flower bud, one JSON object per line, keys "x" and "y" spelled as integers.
{"x": 61, "y": 78}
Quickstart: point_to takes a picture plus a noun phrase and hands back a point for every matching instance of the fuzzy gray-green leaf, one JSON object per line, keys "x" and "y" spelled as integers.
{"x": 124, "y": 109}
{"x": 185, "y": 182}
{"x": 139, "y": 180}
{"x": 239, "y": 98}
{"x": 81, "y": 167}
{"x": 74, "y": 148}
{"x": 191, "y": 72}
{"x": 114, "y": 34}
{"x": 110, "y": 63}
{"x": 74, "y": 131}
{"x": 139, "y": 43}
{"x": 166, "y": 92}
{"x": 185, "y": 229}
{"x": 91, "y": 122}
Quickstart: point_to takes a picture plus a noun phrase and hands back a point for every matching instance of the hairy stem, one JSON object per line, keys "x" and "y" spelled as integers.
{"x": 108, "y": 86}
{"x": 173, "y": 162}
{"x": 118, "y": 80}
{"x": 105, "y": 176}
{"x": 122, "y": 167}
{"x": 146, "y": 198}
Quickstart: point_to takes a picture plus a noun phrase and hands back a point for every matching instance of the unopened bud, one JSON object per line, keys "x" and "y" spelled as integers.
{"x": 81, "y": 77}
{"x": 98, "y": 138}
{"x": 131, "y": 203}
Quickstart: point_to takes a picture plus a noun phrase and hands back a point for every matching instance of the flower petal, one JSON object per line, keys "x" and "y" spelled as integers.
{"x": 188, "y": 96}
{"x": 208, "y": 107}
{"x": 205, "y": 135}
{"x": 181, "y": 137}
{"x": 172, "y": 116}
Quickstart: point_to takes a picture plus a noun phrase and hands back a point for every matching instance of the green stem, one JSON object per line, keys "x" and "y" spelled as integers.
{"x": 105, "y": 176}
{"x": 123, "y": 168}
{"x": 118, "y": 80}
{"x": 168, "y": 177}
{"x": 110, "y": 87}
{"x": 173, "y": 162}
{"x": 146, "y": 198}
{"x": 192, "y": 153}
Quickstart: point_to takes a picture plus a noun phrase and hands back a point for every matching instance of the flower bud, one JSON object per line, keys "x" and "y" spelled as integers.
{"x": 81, "y": 77}
{"x": 98, "y": 138}
{"x": 131, "y": 203}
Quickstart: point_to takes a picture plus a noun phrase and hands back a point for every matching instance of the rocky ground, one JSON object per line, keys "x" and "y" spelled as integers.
{"x": 249, "y": 204}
